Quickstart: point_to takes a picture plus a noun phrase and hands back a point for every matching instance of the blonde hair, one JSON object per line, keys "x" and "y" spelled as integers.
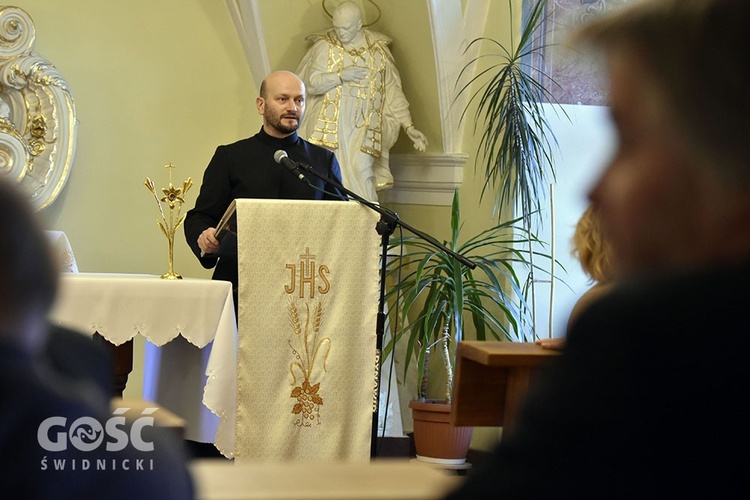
{"x": 590, "y": 246}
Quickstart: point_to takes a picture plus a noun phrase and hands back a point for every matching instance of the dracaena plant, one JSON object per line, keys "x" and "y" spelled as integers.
{"x": 515, "y": 149}
{"x": 434, "y": 294}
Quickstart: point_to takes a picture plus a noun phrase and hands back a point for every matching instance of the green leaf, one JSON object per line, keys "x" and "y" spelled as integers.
{"x": 516, "y": 141}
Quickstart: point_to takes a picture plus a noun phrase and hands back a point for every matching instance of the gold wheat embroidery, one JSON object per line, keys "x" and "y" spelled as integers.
{"x": 311, "y": 346}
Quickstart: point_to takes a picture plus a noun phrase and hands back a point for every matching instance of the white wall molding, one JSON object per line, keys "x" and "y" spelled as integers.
{"x": 38, "y": 124}
{"x": 425, "y": 179}
{"x": 249, "y": 25}
{"x": 452, "y": 31}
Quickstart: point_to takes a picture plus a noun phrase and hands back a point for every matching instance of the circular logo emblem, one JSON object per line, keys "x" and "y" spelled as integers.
{"x": 86, "y": 434}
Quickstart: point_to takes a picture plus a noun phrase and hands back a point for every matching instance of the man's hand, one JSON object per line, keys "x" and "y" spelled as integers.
{"x": 207, "y": 241}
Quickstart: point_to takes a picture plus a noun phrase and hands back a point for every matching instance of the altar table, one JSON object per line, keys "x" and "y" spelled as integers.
{"x": 190, "y": 366}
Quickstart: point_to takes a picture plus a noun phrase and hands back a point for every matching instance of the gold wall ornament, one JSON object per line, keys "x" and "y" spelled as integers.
{"x": 38, "y": 123}
{"x": 173, "y": 198}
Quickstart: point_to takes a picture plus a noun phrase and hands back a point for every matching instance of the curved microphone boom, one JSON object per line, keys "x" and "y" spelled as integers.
{"x": 282, "y": 158}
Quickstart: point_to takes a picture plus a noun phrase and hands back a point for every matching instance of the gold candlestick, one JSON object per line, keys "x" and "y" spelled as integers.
{"x": 174, "y": 197}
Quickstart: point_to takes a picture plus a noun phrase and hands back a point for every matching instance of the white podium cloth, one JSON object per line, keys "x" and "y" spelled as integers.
{"x": 308, "y": 297}
{"x": 184, "y": 317}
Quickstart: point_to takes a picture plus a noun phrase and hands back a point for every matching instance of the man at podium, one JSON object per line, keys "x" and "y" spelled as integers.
{"x": 248, "y": 169}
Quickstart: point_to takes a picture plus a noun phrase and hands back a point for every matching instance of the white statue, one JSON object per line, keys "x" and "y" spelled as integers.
{"x": 355, "y": 104}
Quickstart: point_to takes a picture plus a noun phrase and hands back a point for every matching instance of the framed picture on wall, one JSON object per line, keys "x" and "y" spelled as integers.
{"x": 571, "y": 77}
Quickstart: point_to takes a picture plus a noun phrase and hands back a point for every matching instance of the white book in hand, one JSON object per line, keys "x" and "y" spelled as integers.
{"x": 226, "y": 232}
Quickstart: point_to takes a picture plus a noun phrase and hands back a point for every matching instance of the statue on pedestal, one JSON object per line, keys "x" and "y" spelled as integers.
{"x": 355, "y": 104}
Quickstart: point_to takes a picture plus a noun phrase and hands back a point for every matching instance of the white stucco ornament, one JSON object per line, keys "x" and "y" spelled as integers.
{"x": 37, "y": 113}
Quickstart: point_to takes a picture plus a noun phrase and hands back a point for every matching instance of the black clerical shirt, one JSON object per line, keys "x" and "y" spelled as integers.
{"x": 247, "y": 169}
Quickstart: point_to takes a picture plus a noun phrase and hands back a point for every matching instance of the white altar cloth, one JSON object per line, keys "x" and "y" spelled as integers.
{"x": 199, "y": 377}
{"x": 63, "y": 251}
{"x": 121, "y": 306}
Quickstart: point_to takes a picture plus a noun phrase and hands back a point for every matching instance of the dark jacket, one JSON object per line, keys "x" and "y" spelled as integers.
{"x": 648, "y": 399}
{"x": 247, "y": 169}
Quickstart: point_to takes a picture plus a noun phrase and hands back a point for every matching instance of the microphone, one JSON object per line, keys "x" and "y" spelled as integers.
{"x": 282, "y": 158}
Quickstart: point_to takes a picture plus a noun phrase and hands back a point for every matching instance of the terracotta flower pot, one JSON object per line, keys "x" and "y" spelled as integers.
{"x": 436, "y": 440}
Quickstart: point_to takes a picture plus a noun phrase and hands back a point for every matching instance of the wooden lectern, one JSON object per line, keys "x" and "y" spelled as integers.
{"x": 492, "y": 379}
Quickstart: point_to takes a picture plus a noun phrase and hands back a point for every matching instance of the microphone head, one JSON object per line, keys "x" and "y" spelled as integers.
{"x": 279, "y": 155}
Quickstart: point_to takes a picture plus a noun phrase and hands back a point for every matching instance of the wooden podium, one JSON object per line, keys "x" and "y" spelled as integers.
{"x": 492, "y": 379}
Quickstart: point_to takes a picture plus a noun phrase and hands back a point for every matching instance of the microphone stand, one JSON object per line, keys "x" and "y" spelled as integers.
{"x": 389, "y": 220}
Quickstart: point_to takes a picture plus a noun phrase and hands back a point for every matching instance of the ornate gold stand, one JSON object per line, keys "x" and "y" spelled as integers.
{"x": 174, "y": 197}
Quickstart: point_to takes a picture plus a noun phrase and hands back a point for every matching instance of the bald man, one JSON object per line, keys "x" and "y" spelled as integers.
{"x": 247, "y": 169}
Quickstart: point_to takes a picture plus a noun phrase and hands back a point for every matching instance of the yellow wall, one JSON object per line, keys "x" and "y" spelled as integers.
{"x": 153, "y": 82}
{"x": 167, "y": 81}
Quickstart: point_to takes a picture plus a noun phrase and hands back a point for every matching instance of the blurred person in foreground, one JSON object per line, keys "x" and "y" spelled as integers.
{"x": 58, "y": 437}
{"x": 647, "y": 399}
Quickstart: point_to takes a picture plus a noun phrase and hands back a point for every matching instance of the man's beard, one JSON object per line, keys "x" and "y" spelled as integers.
{"x": 275, "y": 122}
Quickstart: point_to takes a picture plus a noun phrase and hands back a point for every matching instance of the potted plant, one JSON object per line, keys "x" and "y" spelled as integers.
{"x": 434, "y": 293}
{"x": 515, "y": 150}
